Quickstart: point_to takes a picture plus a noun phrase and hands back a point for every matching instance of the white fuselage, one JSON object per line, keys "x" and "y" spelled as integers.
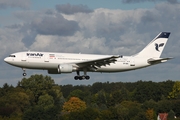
{"x": 50, "y": 61}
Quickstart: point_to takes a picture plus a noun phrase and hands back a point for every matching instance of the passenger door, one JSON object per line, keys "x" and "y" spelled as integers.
{"x": 24, "y": 57}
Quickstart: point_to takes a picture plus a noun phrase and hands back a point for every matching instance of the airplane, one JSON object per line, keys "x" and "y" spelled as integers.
{"x": 57, "y": 63}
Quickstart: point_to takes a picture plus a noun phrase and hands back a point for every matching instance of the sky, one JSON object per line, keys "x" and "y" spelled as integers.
{"x": 118, "y": 27}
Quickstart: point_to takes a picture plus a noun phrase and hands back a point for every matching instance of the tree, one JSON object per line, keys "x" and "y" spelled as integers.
{"x": 176, "y": 107}
{"x": 122, "y": 111}
{"x": 46, "y": 101}
{"x": 45, "y": 97}
{"x": 77, "y": 93}
{"x": 109, "y": 114}
{"x": 91, "y": 114}
{"x": 96, "y": 87}
{"x": 66, "y": 89}
{"x": 101, "y": 97}
{"x": 74, "y": 105}
{"x": 171, "y": 115}
{"x": 175, "y": 93}
{"x": 150, "y": 104}
{"x": 166, "y": 87}
{"x": 38, "y": 112}
{"x": 15, "y": 101}
{"x": 146, "y": 91}
{"x": 6, "y": 88}
{"x": 140, "y": 116}
{"x": 87, "y": 114}
{"x": 133, "y": 108}
{"x": 118, "y": 96}
{"x": 56, "y": 93}
{"x": 36, "y": 86}
{"x": 164, "y": 106}
{"x": 150, "y": 114}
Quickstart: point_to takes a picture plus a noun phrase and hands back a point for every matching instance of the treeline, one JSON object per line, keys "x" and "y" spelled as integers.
{"x": 39, "y": 98}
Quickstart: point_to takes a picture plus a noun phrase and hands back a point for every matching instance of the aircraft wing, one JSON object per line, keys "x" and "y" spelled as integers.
{"x": 97, "y": 63}
{"x": 158, "y": 60}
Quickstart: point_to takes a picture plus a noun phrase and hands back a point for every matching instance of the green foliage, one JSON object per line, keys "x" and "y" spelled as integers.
{"x": 118, "y": 96}
{"x": 146, "y": 91}
{"x": 36, "y": 97}
{"x": 39, "y": 98}
{"x": 96, "y": 87}
{"x": 78, "y": 93}
{"x": 36, "y": 86}
{"x": 38, "y": 112}
{"x": 14, "y": 102}
{"x": 140, "y": 116}
{"x": 175, "y": 93}
{"x": 110, "y": 114}
{"x": 46, "y": 101}
{"x": 87, "y": 114}
{"x": 171, "y": 114}
{"x": 164, "y": 106}
{"x": 176, "y": 107}
{"x": 150, "y": 104}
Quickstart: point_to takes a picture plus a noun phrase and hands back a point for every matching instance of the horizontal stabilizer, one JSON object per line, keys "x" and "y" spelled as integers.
{"x": 158, "y": 60}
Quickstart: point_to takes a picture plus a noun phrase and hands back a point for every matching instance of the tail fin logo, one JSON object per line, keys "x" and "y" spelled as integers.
{"x": 158, "y": 45}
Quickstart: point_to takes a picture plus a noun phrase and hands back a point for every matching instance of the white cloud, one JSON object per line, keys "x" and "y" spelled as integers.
{"x": 41, "y": 42}
{"x": 14, "y": 3}
{"x": 10, "y": 41}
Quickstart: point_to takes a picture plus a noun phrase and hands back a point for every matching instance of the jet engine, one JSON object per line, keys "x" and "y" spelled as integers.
{"x": 65, "y": 68}
{"x": 62, "y": 68}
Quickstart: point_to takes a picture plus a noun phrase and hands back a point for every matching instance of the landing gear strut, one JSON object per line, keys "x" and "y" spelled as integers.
{"x": 78, "y": 77}
{"x": 24, "y": 71}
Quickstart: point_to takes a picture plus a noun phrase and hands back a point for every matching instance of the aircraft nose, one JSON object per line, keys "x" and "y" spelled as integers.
{"x": 6, "y": 60}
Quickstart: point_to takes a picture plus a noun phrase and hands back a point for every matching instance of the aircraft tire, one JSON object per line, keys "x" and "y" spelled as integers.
{"x": 87, "y": 77}
{"x": 24, "y": 74}
{"x": 80, "y": 77}
{"x": 76, "y": 77}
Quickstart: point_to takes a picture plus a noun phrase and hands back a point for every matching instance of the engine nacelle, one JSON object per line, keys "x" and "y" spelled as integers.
{"x": 53, "y": 71}
{"x": 65, "y": 68}
{"x": 62, "y": 68}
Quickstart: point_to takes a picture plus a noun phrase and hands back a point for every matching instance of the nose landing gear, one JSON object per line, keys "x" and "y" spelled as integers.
{"x": 24, "y": 72}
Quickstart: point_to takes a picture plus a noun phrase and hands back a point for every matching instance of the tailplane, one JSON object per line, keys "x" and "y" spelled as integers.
{"x": 155, "y": 47}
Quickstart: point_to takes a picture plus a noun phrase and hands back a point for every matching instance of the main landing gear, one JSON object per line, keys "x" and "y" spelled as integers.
{"x": 78, "y": 77}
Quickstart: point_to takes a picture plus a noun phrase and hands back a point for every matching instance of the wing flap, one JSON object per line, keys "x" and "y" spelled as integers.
{"x": 97, "y": 63}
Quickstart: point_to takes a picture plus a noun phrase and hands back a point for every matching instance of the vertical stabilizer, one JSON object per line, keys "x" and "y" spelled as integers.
{"x": 155, "y": 47}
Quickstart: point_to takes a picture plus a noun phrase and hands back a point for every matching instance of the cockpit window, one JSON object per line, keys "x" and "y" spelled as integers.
{"x": 12, "y": 56}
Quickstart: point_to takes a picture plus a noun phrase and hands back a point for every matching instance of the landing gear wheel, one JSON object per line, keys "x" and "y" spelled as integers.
{"x": 80, "y": 77}
{"x": 76, "y": 77}
{"x": 24, "y": 74}
{"x": 87, "y": 77}
{"x": 24, "y": 71}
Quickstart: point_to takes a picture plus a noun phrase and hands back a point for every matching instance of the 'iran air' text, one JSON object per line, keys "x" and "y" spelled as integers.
{"x": 34, "y": 54}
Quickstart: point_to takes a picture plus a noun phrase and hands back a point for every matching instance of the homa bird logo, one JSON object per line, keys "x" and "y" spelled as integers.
{"x": 158, "y": 45}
